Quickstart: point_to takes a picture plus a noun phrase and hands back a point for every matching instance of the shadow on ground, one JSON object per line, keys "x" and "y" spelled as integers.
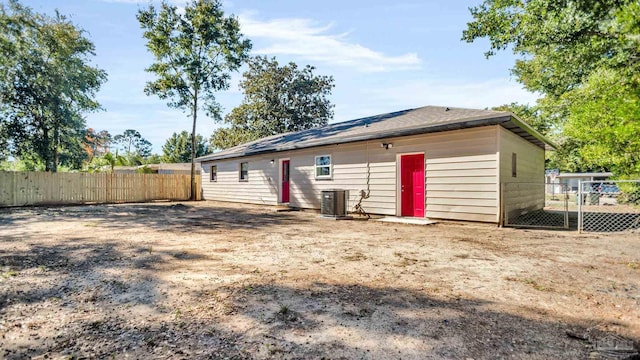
{"x": 176, "y": 217}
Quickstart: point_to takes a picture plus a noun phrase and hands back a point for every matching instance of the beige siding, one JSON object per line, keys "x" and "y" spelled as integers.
{"x": 261, "y": 188}
{"x": 529, "y": 169}
{"x": 460, "y": 175}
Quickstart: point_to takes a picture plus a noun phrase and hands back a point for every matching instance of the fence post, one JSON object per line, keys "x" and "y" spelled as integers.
{"x": 565, "y": 194}
{"x": 13, "y": 189}
{"x": 579, "y": 195}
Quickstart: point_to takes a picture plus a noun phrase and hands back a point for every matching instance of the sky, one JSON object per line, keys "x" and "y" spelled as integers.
{"x": 384, "y": 56}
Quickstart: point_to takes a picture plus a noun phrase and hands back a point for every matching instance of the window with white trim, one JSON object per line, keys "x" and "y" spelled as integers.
{"x": 323, "y": 167}
{"x": 244, "y": 171}
{"x": 213, "y": 173}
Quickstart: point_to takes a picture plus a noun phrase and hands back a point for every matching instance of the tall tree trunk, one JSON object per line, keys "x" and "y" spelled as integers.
{"x": 56, "y": 143}
{"x": 45, "y": 149}
{"x": 193, "y": 146}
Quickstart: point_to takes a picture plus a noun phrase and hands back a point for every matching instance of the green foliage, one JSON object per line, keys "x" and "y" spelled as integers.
{"x": 604, "y": 118}
{"x": 278, "y": 99}
{"x": 131, "y": 139}
{"x": 562, "y": 41}
{"x": 153, "y": 159}
{"x": 177, "y": 149}
{"x": 194, "y": 53}
{"x": 529, "y": 114}
{"x": 584, "y": 58}
{"x": 46, "y": 84}
{"x": 25, "y": 164}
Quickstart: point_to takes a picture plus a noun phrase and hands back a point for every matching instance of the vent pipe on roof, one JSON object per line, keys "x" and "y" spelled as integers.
{"x": 446, "y": 109}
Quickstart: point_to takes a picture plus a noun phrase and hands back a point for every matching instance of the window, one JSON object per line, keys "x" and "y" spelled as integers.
{"x": 244, "y": 171}
{"x": 213, "y": 173}
{"x": 323, "y": 167}
{"x": 514, "y": 165}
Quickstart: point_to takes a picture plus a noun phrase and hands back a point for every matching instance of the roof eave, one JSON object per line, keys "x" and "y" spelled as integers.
{"x": 533, "y": 132}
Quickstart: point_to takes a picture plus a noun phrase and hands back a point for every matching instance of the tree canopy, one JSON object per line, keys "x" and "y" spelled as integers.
{"x": 46, "y": 85}
{"x": 277, "y": 99}
{"x": 177, "y": 149}
{"x": 194, "y": 51}
{"x": 131, "y": 143}
{"x": 584, "y": 58}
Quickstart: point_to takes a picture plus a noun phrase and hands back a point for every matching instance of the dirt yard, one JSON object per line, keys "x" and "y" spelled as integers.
{"x": 224, "y": 281}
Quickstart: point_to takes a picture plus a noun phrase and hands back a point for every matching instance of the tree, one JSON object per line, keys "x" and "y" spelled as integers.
{"x": 277, "y": 99}
{"x": 567, "y": 48}
{"x": 177, "y": 149}
{"x": 195, "y": 51}
{"x": 96, "y": 143}
{"x": 46, "y": 84}
{"x": 131, "y": 138}
{"x": 604, "y": 119}
{"x": 530, "y": 115}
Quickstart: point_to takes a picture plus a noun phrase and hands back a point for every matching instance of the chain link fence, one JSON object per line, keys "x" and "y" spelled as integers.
{"x": 608, "y": 206}
{"x": 535, "y": 205}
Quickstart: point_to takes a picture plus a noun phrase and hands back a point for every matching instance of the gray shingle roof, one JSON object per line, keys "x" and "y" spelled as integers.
{"x": 406, "y": 122}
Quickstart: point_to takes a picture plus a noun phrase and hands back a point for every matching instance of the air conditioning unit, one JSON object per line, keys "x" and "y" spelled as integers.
{"x": 334, "y": 203}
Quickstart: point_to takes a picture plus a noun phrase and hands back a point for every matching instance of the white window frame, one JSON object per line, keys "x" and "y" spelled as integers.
{"x": 329, "y": 166}
{"x": 211, "y": 172}
{"x": 240, "y": 171}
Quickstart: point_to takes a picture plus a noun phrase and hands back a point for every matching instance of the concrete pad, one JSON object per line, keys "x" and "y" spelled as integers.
{"x": 406, "y": 220}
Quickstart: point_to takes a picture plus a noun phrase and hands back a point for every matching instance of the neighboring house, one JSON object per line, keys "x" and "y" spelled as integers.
{"x": 435, "y": 162}
{"x": 175, "y": 168}
{"x": 123, "y": 169}
{"x": 571, "y": 180}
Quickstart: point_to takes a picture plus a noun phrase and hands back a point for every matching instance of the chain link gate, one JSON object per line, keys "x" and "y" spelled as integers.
{"x": 608, "y": 206}
{"x": 535, "y": 205}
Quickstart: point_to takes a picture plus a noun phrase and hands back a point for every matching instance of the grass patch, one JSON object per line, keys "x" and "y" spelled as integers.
{"x": 9, "y": 273}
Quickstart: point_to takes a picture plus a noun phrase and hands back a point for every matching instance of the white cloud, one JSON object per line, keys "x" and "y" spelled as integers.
{"x": 310, "y": 40}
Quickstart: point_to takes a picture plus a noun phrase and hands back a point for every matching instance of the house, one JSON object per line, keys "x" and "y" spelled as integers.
{"x": 571, "y": 180}
{"x": 172, "y": 168}
{"x": 162, "y": 168}
{"x": 435, "y": 162}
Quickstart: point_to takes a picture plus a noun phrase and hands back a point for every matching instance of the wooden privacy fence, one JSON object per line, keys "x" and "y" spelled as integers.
{"x": 42, "y": 188}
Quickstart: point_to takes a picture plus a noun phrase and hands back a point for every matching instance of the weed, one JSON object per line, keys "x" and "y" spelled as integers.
{"x": 284, "y": 310}
{"x": 150, "y": 342}
{"x": 355, "y": 257}
{"x": 534, "y": 284}
{"x": 150, "y": 249}
{"x": 95, "y": 325}
{"x": 273, "y": 349}
{"x": 633, "y": 265}
{"x": 286, "y": 314}
{"x": 9, "y": 273}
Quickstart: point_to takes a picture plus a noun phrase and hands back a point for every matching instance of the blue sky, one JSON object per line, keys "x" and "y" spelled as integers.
{"x": 384, "y": 56}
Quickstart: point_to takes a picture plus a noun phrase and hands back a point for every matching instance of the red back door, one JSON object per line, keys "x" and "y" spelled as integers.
{"x": 285, "y": 181}
{"x": 412, "y": 185}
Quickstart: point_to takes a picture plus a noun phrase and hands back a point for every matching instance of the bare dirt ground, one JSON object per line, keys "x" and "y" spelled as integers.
{"x": 224, "y": 281}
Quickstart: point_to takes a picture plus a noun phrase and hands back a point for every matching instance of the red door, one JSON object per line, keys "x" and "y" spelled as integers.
{"x": 285, "y": 181}
{"x": 412, "y": 185}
